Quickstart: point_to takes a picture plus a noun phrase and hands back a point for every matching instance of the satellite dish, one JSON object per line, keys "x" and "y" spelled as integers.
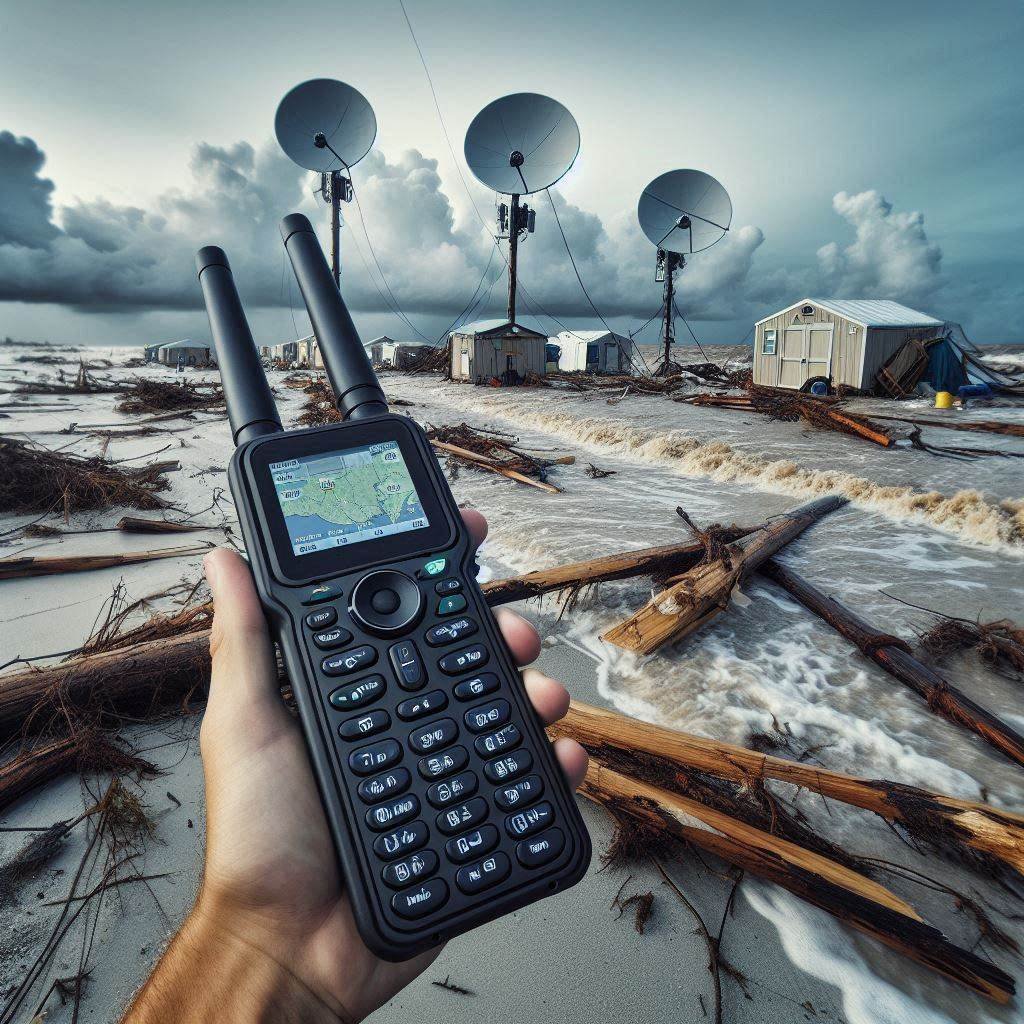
{"x": 522, "y": 143}
{"x": 322, "y": 115}
{"x": 684, "y": 211}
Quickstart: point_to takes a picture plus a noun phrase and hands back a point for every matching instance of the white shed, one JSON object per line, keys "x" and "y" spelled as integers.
{"x": 593, "y": 352}
{"x": 847, "y": 340}
{"x": 186, "y": 351}
{"x": 496, "y": 350}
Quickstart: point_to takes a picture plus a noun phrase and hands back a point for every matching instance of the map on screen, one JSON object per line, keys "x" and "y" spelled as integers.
{"x": 344, "y": 498}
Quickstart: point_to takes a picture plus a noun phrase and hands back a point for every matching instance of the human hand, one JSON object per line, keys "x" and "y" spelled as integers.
{"x": 272, "y": 903}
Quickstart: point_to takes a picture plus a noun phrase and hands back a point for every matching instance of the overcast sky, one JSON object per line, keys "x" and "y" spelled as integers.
{"x": 870, "y": 149}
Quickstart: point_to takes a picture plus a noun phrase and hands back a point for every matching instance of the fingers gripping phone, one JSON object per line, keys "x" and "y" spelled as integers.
{"x": 443, "y": 796}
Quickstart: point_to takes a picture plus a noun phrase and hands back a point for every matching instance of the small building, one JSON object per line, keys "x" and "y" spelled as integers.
{"x": 846, "y": 340}
{"x": 186, "y": 351}
{"x": 375, "y": 349}
{"x": 151, "y": 353}
{"x": 301, "y": 353}
{"x": 496, "y": 350}
{"x": 388, "y": 354}
{"x": 593, "y": 352}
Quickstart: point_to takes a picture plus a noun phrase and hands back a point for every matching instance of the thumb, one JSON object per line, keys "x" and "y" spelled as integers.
{"x": 243, "y": 681}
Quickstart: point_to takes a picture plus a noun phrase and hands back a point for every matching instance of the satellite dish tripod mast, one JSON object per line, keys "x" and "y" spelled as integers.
{"x": 513, "y": 220}
{"x": 681, "y": 212}
{"x": 335, "y": 189}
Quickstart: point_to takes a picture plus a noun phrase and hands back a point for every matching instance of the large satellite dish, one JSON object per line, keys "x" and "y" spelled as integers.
{"x": 522, "y": 143}
{"x": 684, "y": 211}
{"x": 323, "y": 120}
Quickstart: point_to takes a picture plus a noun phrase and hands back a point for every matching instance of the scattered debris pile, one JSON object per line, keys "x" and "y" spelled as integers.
{"x": 494, "y": 452}
{"x": 152, "y": 396}
{"x": 429, "y": 359}
{"x": 319, "y": 408}
{"x": 83, "y": 384}
{"x": 36, "y": 479}
{"x": 790, "y": 406}
{"x": 1000, "y": 643}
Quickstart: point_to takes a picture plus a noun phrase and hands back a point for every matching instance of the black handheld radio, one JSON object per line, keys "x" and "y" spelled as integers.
{"x": 444, "y": 798}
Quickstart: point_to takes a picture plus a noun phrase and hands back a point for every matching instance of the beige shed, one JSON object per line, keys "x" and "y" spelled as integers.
{"x": 496, "y": 350}
{"x": 847, "y": 340}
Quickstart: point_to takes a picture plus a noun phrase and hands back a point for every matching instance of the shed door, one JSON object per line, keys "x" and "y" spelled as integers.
{"x": 792, "y": 365}
{"x": 806, "y": 353}
{"x": 819, "y": 350}
{"x": 465, "y": 365}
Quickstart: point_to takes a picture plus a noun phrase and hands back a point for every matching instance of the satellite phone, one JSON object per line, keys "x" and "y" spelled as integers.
{"x": 443, "y": 795}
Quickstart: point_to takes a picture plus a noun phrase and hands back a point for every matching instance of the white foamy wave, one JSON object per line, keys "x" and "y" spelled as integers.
{"x": 967, "y": 514}
{"x": 818, "y": 945}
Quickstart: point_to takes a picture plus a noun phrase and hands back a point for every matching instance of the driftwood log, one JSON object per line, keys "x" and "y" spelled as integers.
{"x": 857, "y": 901}
{"x": 928, "y": 816}
{"x": 973, "y": 426}
{"x": 43, "y": 565}
{"x": 703, "y": 592}
{"x": 493, "y": 466}
{"x": 894, "y": 655}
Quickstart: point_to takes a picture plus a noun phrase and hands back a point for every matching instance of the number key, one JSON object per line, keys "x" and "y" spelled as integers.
{"x": 466, "y": 815}
{"x": 351, "y": 661}
{"x": 434, "y": 736}
{"x": 487, "y": 716}
{"x": 375, "y": 757}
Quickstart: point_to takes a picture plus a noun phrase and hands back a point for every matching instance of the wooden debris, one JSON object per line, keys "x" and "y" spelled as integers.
{"x": 704, "y": 591}
{"x": 494, "y": 453}
{"x": 894, "y": 655}
{"x": 975, "y": 426}
{"x": 851, "y": 897}
{"x": 929, "y": 817}
{"x": 34, "y": 479}
{"x": 24, "y": 566}
{"x": 999, "y": 643}
{"x": 155, "y": 396}
{"x": 134, "y": 524}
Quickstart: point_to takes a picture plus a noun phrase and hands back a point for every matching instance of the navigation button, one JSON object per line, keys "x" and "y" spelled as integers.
{"x": 448, "y": 586}
{"x": 321, "y": 593}
{"x": 407, "y": 665}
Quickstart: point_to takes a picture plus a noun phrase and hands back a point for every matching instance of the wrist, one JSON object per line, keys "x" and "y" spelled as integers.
{"x": 217, "y": 969}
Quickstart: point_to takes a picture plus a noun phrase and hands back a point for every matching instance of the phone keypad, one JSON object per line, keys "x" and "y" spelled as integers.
{"x": 478, "y": 798}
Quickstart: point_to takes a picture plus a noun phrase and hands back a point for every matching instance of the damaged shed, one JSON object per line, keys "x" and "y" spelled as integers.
{"x": 845, "y": 340}
{"x": 496, "y": 350}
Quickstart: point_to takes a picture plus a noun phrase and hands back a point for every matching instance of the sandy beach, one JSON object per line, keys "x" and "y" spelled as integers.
{"x": 946, "y": 534}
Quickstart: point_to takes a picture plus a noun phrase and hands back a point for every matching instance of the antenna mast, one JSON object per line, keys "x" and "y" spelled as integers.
{"x": 518, "y": 145}
{"x": 327, "y": 126}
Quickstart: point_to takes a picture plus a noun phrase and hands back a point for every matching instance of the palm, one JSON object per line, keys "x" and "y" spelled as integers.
{"x": 270, "y": 861}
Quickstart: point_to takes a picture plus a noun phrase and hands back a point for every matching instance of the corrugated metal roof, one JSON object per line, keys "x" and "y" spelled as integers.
{"x": 868, "y": 312}
{"x": 486, "y": 326}
{"x": 184, "y": 343}
{"x": 570, "y": 336}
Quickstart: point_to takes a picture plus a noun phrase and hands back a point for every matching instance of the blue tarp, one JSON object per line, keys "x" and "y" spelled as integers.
{"x": 945, "y": 371}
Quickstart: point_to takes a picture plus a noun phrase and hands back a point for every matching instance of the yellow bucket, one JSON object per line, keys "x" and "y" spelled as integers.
{"x": 943, "y": 400}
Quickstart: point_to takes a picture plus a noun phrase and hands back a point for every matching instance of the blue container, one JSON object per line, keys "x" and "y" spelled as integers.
{"x": 819, "y": 388}
{"x": 973, "y": 391}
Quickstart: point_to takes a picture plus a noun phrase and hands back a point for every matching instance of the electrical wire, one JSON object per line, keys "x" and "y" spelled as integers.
{"x": 707, "y": 359}
{"x": 583, "y": 287}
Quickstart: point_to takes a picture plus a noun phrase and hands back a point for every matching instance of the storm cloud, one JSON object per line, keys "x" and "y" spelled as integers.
{"x": 404, "y": 245}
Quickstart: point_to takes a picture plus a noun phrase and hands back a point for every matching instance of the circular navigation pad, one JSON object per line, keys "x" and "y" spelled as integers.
{"x": 386, "y": 602}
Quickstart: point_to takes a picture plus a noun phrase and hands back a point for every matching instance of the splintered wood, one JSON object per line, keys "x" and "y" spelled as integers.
{"x": 704, "y": 591}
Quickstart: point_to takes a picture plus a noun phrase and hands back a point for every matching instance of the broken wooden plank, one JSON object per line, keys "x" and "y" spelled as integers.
{"x": 28, "y": 565}
{"x": 704, "y": 591}
{"x": 894, "y": 655}
{"x": 493, "y": 466}
{"x": 928, "y": 816}
{"x": 974, "y": 426}
{"x": 853, "y": 899}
